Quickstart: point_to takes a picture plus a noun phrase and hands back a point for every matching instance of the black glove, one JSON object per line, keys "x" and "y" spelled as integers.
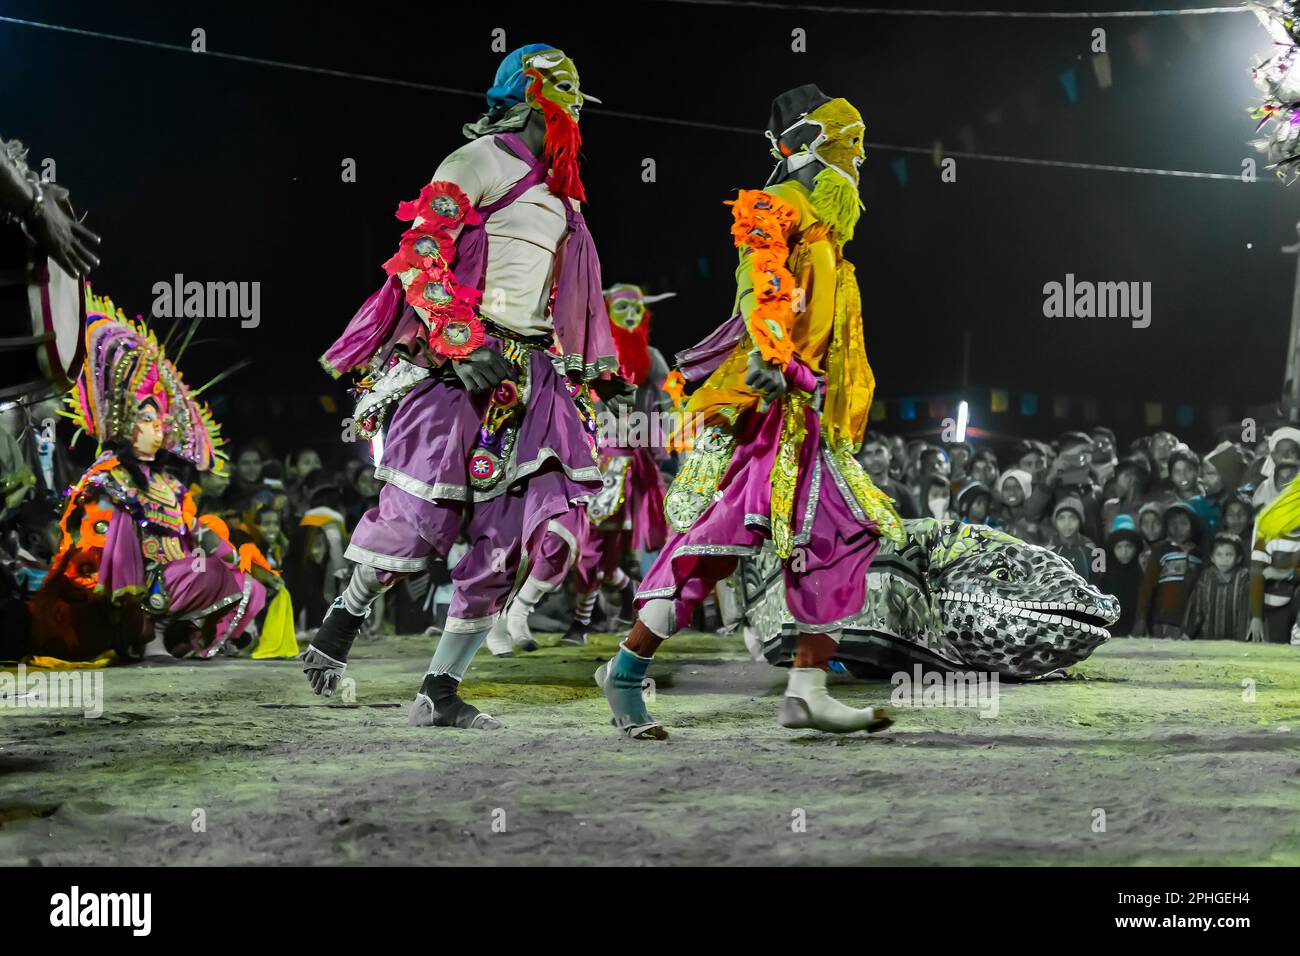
{"x": 765, "y": 378}
{"x": 482, "y": 370}
{"x": 623, "y": 398}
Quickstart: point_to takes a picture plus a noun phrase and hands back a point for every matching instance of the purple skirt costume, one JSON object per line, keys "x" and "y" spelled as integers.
{"x": 443, "y": 468}
{"x": 834, "y": 540}
{"x": 429, "y": 451}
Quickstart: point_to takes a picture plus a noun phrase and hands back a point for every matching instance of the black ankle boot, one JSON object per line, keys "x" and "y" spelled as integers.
{"x": 438, "y": 704}
{"x": 576, "y": 634}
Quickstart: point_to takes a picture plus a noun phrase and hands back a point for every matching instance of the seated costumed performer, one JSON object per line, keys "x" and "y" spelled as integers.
{"x": 134, "y": 563}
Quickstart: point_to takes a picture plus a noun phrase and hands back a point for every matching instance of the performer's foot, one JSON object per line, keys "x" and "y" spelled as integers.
{"x": 439, "y": 705}
{"x": 498, "y": 639}
{"x": 576, "y": 634}
{"x": 807, "y": 705}
{"x": 623, "y": 680}
{"x": 516, "y": 621}
{"x": 326, "y": 657}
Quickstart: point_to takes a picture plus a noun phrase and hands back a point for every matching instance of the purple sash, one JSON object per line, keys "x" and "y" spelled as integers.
{"x": 386, "y": 319}
{"x": 700, "y": 361}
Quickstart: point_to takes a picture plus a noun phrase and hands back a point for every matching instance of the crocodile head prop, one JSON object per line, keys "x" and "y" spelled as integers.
{"x": 1004, "y": 605}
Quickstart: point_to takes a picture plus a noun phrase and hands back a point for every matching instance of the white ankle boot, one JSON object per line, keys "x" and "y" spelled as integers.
{"x": 498, "y": 639}
{"x": 807, "y": 705}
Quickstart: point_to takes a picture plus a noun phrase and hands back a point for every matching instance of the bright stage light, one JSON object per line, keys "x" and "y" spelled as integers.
{"x": 962, "y": 411}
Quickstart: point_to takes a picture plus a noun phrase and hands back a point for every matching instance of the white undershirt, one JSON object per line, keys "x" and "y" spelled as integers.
{"x": 523, "y": 238}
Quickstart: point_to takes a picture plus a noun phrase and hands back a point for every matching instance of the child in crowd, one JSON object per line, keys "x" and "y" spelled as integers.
{"x": 984, "y": 468}
{"x": 1185, "y": 485}
{"x": 1170, "y": 576}
{"x": 936, "y": 496}
{"x": 1123, "y": 573}
{"x": 1128, "y": 488}
{"x": 973, "y": 503}
{"x": 1219, "y": 609}
{"x": 269, "y": 537}
{"x": 1151, "y": 525}
{"x": 1068, "y": 542}
{"x": 1013, "y": 490}
{"x": 1238, "y": 519}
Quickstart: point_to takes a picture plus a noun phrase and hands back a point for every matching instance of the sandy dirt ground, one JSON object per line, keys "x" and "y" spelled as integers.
{"x": 1151, "y": 753}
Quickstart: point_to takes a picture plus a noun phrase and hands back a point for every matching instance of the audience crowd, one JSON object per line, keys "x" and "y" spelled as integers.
{"x": 1166, "y": 529}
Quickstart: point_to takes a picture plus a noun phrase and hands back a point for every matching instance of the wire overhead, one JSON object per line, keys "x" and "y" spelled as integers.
{"x": 699, "y": 124}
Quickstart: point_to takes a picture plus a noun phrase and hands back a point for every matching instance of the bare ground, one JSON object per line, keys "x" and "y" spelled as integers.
{"x": 1158, "y": 735}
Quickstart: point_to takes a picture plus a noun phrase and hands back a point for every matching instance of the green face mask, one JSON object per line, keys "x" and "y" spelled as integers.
{"x": 627, "y": 312}
{"x": 559, "y": 78}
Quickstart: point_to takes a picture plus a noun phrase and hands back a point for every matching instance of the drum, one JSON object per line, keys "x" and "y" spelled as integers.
{"x": 42, "y": 322}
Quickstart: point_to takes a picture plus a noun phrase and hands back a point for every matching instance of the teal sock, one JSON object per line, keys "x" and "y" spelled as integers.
{"x": 626, "y": 673}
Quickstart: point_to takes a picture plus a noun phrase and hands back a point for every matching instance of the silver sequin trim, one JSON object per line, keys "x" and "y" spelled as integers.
{"x": 220, "y": 605}
{"x": 733, "y": 550}
{"x": 514, "y": 473}
{"x": 442, "y": 491}
{"x": 468, "y": 625}
{"x": 845, "y": 491}
{"x": 814, "y": 496}
{"x": 384, "y": 562}
{"x": 657, "y": 593}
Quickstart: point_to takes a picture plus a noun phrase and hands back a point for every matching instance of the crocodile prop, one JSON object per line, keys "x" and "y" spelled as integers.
{"x": 953, "y": 596}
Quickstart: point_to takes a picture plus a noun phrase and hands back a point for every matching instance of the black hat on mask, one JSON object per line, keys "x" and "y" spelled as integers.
{"x": 787, "y": 108}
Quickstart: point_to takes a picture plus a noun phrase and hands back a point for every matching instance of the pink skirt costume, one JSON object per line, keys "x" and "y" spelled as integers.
{"x": 503, "y": 468}
{"x": 834, "y": 538}
{"x": 626, "y": 515}
{"x": 150, "y": 554}
{"x": 439, "y": 469}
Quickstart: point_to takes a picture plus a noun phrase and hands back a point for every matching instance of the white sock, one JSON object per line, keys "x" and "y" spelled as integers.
{"x": 498, "y": 640}
{"x": 524, "y": 603}
{"x": 582, "y": 608}
{"x": 363, "y": 590}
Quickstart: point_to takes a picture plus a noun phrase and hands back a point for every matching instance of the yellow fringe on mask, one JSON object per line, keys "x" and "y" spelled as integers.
{"x": 837, "y": 204}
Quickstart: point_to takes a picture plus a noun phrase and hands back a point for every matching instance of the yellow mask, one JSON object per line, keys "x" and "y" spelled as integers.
{"x": 559, "y": 76}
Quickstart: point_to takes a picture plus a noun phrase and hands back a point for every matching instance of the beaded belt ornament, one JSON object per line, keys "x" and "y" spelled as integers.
{"x": 581, "y": 395}
{"x": 607, "y": 503}
{"x": 696, "y": 484}
{"x": 501, "y": 421}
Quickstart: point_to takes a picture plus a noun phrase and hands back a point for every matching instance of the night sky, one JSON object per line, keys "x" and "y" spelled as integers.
{"x": 230, "y": 171}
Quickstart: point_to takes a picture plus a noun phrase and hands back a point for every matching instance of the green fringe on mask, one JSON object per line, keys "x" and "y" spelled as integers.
{"x": 836, "y": 202}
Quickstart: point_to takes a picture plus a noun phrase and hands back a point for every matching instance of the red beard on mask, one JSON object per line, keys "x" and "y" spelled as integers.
{"x": 632, "y": 346}
{"x": 563, "y": 140}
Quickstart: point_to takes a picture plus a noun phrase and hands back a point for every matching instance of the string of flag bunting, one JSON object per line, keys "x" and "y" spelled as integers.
{"x": 1007, "y": 406}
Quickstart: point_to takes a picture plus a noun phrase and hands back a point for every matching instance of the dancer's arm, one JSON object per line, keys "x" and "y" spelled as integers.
{"x": 44, "y": 213}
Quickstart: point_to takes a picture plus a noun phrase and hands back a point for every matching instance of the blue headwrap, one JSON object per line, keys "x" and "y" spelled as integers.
{"x": 510, "y": 83}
